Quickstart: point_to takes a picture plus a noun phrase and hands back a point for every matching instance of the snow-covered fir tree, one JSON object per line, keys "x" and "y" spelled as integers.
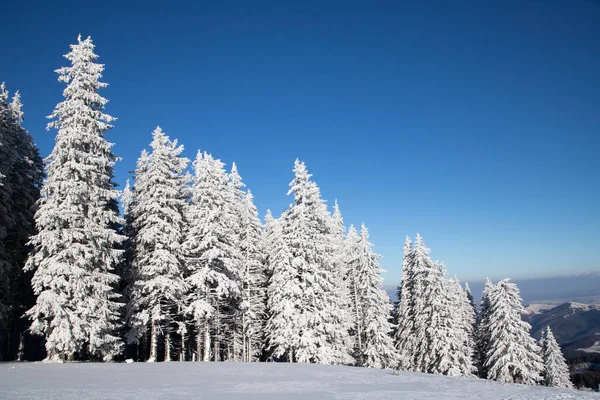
{"x": 283, "y": 294}
{"x": 21, "y": 170}
{"x": 461, "y": 338}
{"x": 555, "y": 372}
{"x": 158, "y": 287}
{"x": 212, "y": 255}
{"x": 372, "y": 307}
{"x": 512, "y": 355}
{"x": 405, "y": 315}
{"x": 482, "y": 333}
{"x": 253, "y": 279}
{"x": 310, "y": 304}
{"x": 75, "y": 251}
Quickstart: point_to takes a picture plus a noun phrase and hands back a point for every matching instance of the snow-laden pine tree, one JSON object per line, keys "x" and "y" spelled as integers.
{"x": 319, "y": 319}
{"x": 157, "y": 290}
{"x": 461, "y": 338}
{"x": 253, "y": 280}
{"x": 75, "y": 251}
{"x": 212, "y": 255}
{"x": 555, "y": 372}
{"x": 283, "y": 294}
{"x": 405, "y": 315}
{"x": 373, "y": 308}
{"x": 482, "y": 333}
{"x": 512, "y": 354}
{"x": 426, "y": 283}
{"x": 21, "y": 169}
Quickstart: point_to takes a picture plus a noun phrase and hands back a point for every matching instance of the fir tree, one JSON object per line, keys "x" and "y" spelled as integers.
{"x": 157, "y": 289}
{"x": 74, "y": 253}
{"x": 512, "y": 354}
{"x": 21, "y": 168}
{"x": 482, "y": 333}
{"x": 378, "y": 347}
{"x": 253, "y": 279}
{"x": 556, "y": 371}
{"x": 283, "y": 294}
{"x": 404, "y": 339}
{"x": 212, "y": 254}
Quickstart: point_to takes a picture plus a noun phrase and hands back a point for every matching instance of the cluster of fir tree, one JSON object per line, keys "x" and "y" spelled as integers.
{"x": 21, "y": 173}
{"x": 190, "y": 272}
{"x": 439, "y": 330}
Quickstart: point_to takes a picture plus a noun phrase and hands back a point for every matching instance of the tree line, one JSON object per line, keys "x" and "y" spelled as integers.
{"x": 189, "y": 271}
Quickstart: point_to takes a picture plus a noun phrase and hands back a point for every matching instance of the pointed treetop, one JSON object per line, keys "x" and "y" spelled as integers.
{"x": 467, "y": 288}
{"x": 127, "y": 197}
{"x": 268, "y": 216}
{"x": 3, "y": 92}
{"x": 15, "y": 108}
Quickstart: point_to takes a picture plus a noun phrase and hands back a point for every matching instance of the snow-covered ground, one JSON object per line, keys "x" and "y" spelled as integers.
{"x": 216, "y": 381}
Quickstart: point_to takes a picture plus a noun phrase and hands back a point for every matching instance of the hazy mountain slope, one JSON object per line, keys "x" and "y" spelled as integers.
{"x": 575, "y": 325}
{"x": 264, "y": 381}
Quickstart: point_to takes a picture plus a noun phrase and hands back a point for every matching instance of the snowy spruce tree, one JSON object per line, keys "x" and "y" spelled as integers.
{"x": 212, "y": 256}
{"x": 405, "y": 312}
{"x": 316, "y": 309}
{"x": 555, "y": 372}
{"x": 158, "y": 287}
{"x": 253, "y": 279}
{"x": 75, "y": 251}
{"x": 283, "y": 294}
{"x": 482, "y": 326}
{"x": 371, "y": 305}
{"x": 21, "y": 172}
{"x": 512, "y": 355}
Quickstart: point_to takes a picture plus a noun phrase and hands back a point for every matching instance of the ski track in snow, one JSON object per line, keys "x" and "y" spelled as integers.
{"x": 217, "y": 381}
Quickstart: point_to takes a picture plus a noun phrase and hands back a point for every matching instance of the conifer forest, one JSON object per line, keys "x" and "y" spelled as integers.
{"x": 180, "y": 266}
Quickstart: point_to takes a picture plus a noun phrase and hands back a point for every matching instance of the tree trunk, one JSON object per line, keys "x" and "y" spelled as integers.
{"x": 167, "y": 344}
{"x": 153, "y": 340}
{"x": 21, "y": 351}
{"x": 216, "y": 338}
{"x": 206, "y": 355}
{"x": 358, "y": 319}
{"x": 182, "y": 348}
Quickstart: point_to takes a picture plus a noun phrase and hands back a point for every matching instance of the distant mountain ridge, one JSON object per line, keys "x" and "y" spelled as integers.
{"x": 575, "y": 325}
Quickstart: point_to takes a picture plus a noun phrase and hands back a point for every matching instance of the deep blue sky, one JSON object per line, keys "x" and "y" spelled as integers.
{"x": 474, "y": 123}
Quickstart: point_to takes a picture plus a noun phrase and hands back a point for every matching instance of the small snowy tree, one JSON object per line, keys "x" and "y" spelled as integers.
{"x": 75, "y": 251}
{"x": 512, "y": 354}
{"x": 157, "y": 289}
{"x": 556, "y": 371}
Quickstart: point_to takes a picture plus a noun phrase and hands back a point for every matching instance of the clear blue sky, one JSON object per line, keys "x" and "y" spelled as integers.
{"x": 474, "y": 123}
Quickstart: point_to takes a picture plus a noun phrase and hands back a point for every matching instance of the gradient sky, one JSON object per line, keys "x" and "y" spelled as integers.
{"x": 475, "y": 123}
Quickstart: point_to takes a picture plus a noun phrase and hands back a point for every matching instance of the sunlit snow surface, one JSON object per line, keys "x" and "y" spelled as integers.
{"x": 216, "y": 381}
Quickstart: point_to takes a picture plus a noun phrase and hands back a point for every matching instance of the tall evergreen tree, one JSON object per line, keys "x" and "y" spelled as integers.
{"x": 75, "y": 251}
{"x": 319, "y": 320}
{"x": 556, "y": 371}
{"x": 482, "y": 333}
{"x": 405, "y": 315}
{"x": 283, "y": 294}
{"x": 21, "y": 168}
{"x": 377, "y": 344}
{"x": 158, "y": 220}
{"x": 212, "y": 254}
{"x": 254, "y": 280}
{"x": 512, "y": 354}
